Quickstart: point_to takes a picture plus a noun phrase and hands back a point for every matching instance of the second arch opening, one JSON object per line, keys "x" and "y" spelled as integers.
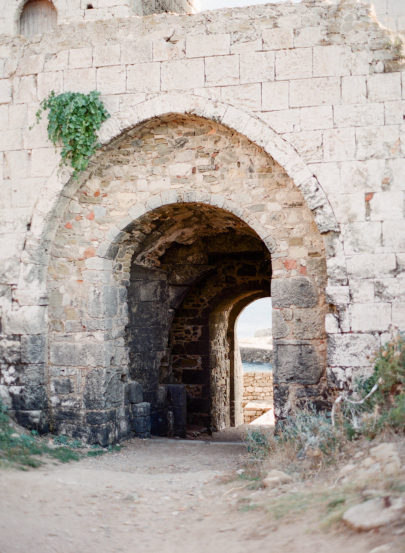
{"x": 193, "y": 269}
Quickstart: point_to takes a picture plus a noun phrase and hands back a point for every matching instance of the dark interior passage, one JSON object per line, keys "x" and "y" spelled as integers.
{"x": 193, "y": 269}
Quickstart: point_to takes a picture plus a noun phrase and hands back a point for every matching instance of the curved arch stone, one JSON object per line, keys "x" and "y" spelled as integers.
{"x": 61, "y": 186}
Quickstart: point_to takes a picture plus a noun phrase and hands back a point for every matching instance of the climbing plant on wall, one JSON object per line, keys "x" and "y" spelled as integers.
{"x": 73, "y": 121}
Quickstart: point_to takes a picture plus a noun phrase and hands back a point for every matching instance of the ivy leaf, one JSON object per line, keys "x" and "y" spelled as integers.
{"x": 74, "y": 119}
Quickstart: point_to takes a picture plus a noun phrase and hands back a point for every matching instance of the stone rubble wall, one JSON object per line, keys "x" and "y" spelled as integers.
{"x": 258, "y": 386}
{"x": 257, "y": 394}
{"x": 319, "y": 87}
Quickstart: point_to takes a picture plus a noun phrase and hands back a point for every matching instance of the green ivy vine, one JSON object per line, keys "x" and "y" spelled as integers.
{"x": 73, "y": 120}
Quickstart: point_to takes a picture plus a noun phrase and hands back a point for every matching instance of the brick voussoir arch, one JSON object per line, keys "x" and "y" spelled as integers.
{"x": 61, "y": 187}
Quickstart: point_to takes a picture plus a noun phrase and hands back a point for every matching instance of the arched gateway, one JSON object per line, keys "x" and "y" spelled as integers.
{"x": 176, "y": 226}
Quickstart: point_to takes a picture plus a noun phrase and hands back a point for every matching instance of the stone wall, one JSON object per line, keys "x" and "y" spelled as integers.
{"x": 257, "y": 394}
{"x": 258, "y": 386}
{"x": 298, "y": 110}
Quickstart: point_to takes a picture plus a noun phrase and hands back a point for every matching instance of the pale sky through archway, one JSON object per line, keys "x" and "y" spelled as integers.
{"x": 255, "y": 316}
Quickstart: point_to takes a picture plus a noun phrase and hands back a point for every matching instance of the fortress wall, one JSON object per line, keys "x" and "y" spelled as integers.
{"x": 321, "y": 88}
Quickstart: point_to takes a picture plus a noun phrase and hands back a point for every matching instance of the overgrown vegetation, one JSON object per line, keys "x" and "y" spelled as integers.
{"x": 385, "y": 408}
{"x": 73, "y": 121}
{"x": 377, "y": 404}
{"x": 29, "y": 450}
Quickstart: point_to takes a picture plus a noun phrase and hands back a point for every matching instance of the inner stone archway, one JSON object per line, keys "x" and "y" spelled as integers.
{"x": 176, "y": 226}
{"x": 192, "y": 265}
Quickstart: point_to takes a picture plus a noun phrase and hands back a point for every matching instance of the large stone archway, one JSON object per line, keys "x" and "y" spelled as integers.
{"x": 118, "y": 241}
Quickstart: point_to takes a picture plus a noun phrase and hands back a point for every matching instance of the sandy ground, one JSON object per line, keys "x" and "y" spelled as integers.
{"x": 155, "y": 496}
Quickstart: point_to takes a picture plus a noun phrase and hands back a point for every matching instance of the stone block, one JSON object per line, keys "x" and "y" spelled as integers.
{"x": 308, "y": 323}
{"x": 352, "y": 350}
{"x": 33, "y": 349}
{"x": 183, "y": 74}
{"x": 247, "y": 96}
{"x": 44, "y": 161}
{"x": 28, "y": 398}
{"x": 141, "y": 409}
{"x": 308, "y": 144}
{"x": 198, "y": 46}
{"x": 241, "y": 46}
{"x": 339, "y": 144}
{"x": 384, "y": 86}
{"x": 371, "y": 265}
{"x": 62, "y": 386}
{"x": 394, "y": 112}
{"x": 26, "y": 320}
{"x": 5, "y": 91}
{"x": 111, "y": 80}
{"x": 293, "y": 64}
{"x": 315, "y": 118}
{"x": 277, "y": 39}
{"x": 332, "y": 61}
{"x": 144, "y": 77}
{"x": 80, "y": 57}
{"x": 30, "y": 65}
{"x": 370, "y": 317}
{"x": 142, "y": 50}
{"x": 103, "y": 389}
{"x": 177, "y": 404}
{"x": 354, "y": 89}
{"x": 24, "y": 89}
{"x": 315, "y": 92}
{"x": 81, "y": 79}
{"x": 359, "y": 115}
{"x": 134, "y": 392}
{"x": 299, "y": 363}
{"x": 362, "y": 176}
{"x": 11, "y": 140}
{"x": 222, "y": 70}
{"x": 308, "y": 36}
{"x": 108, "y": 54}
{"x": 387, "y": 206}
{"x": 16, "y": 165}
{"x": 10, "y": 351}
{"x": 48, "y": 82}
{"x": 398, "y": 314}
{"x": 275, "y": 96}
{"x": 57, "y": 61}
{"x": 256, "y": 67}
{"x": 66, "y": 354}
{"x": 295, "y": 291}
{"x": 362, "y": 237}
{"x": 378, "y": 142}
{"x": 394, "y": 235}
{"x": 142, "y": 427}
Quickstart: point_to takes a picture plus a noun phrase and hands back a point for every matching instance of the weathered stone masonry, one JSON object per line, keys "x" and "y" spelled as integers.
{"x": 250, "y": 152}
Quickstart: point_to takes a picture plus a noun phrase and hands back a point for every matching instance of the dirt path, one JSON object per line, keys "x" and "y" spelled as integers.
{"x": 155, "y": 496}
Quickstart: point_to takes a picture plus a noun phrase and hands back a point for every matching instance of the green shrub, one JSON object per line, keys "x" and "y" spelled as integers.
{"x": 385, "y": 408}
{"x": 73, "y": 121}
{"x": 258, "y": 444}
{"x": 308, "y": 430}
